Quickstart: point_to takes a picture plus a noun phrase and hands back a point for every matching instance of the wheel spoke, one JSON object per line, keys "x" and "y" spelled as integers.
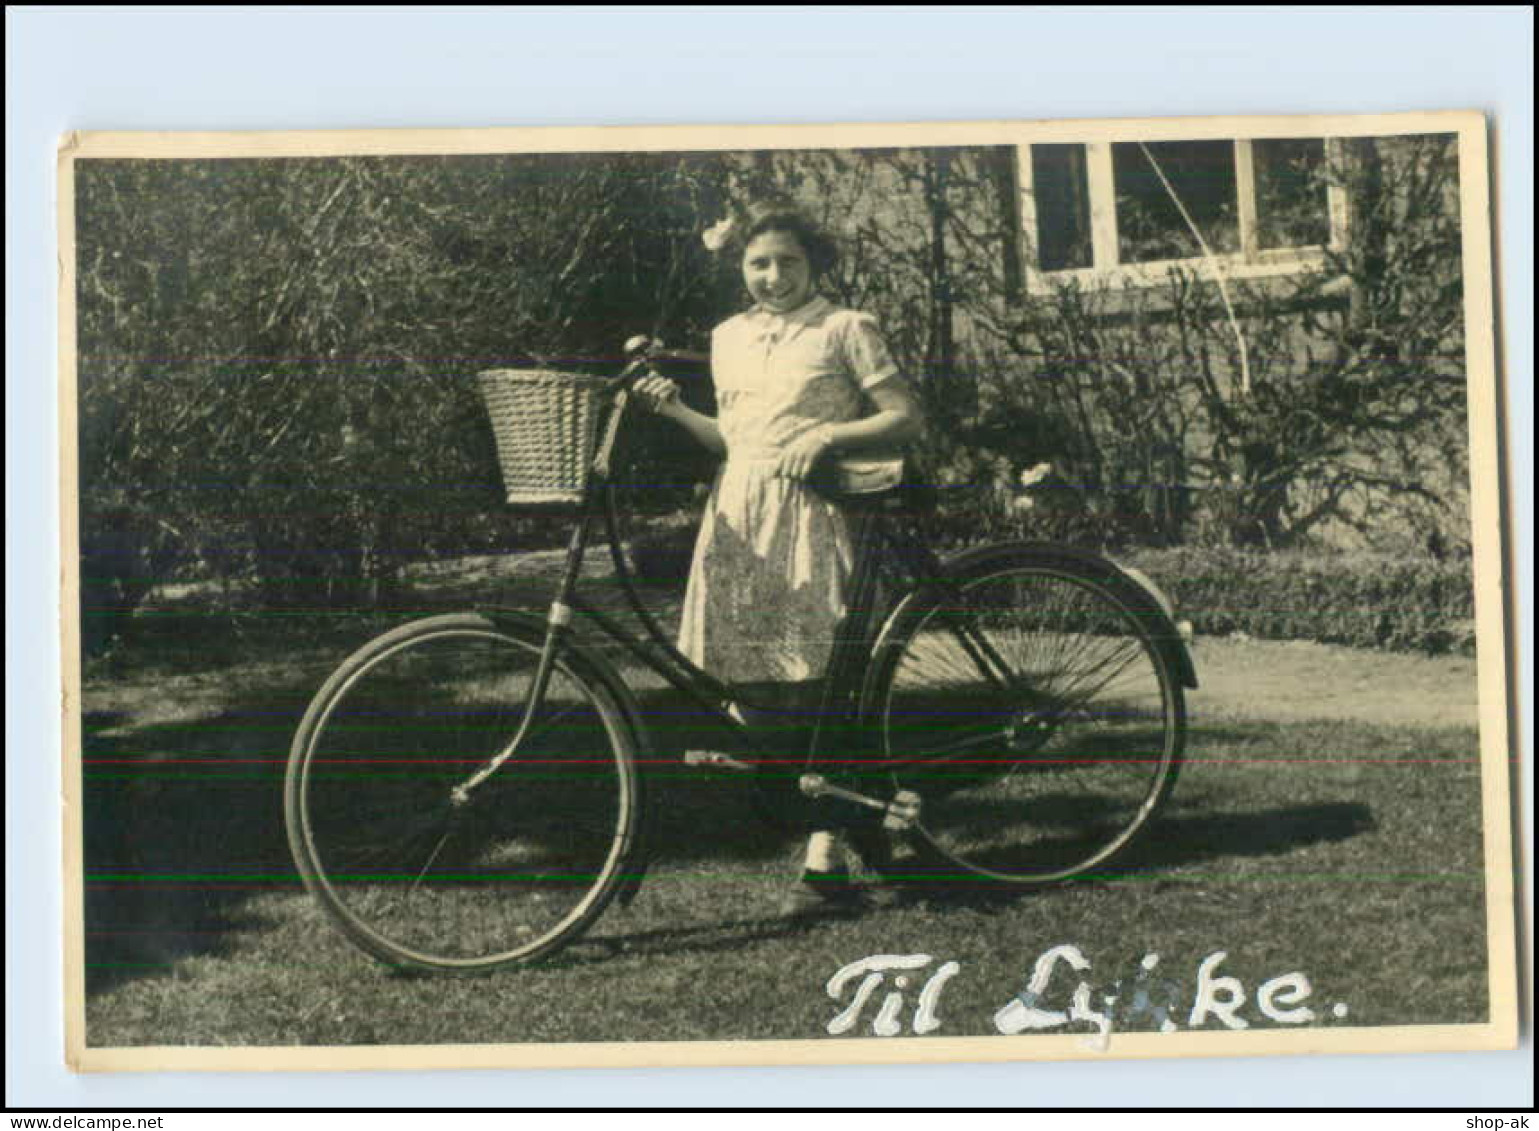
{"x": 432, "y": 856}
{"x": 1083, "y": 690}
{"x": 1032, "y": 712}
{"x": 953, "y": 747}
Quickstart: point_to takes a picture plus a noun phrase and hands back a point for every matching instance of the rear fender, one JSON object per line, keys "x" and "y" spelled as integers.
{"x": 1153, "y": 607}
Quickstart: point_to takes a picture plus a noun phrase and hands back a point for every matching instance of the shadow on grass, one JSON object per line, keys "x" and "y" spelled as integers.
{"x": 184, "y": 824}
{"x": 598, "y": 947}
{"x": 706, "y": 938}
{"x": 1179, "y": 841}
{"x": 1170, "y": 844}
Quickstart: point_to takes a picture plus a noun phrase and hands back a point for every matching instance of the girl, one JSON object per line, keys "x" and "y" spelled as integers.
{"x": 798, "y": 380}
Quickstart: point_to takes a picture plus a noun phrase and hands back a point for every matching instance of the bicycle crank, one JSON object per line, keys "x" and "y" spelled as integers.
{"x": 899, "y": 815}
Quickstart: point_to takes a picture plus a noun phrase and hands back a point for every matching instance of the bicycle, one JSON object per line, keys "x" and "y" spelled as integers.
{"x": 463, "y": 792}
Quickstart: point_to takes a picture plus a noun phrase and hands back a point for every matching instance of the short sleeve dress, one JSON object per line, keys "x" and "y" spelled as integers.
{"x": 767, "y": 585}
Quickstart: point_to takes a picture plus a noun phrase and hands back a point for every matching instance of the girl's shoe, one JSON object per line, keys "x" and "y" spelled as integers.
{"x": 818, "y": 893}
{"x": 873, "y": 846}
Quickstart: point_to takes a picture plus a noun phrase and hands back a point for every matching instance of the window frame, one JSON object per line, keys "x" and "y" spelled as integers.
{"x": 1251, "y": 261}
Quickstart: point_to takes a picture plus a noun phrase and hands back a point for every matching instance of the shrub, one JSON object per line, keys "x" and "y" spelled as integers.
{"x": 276, "y": 356}
{"x": 1361, "y": 600}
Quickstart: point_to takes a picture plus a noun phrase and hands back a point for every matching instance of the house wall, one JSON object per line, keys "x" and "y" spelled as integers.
{"x": 1018, "y": 363}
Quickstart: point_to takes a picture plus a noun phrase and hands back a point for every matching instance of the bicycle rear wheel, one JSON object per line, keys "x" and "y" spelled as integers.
{"x": 1033, "y": 711}
{"x": 419, "y": 878}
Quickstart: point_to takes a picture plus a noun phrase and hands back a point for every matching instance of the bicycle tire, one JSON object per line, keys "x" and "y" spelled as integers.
{"x": 1042, "y": 749}
{"x": 422, "y": 882}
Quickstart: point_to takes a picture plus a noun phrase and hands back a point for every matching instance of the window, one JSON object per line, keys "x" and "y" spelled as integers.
{"x": 1063, "y": 206}
{"x": 1124, "y": 212}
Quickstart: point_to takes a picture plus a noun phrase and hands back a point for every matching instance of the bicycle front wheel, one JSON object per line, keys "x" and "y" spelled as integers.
{"x": 1030, "y": 707}
{"x": 417, "y": 870}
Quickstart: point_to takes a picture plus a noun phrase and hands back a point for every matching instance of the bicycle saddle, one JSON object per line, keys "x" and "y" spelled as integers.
{"x": 869, "y": 481}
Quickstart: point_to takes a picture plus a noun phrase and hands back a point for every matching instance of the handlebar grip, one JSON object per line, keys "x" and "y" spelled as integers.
{"x": 680, "y": 355}
{"x": 641, "y": 346}
{"x": 621, "y": 380}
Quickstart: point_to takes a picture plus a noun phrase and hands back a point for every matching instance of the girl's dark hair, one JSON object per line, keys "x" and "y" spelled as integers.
{"x": 783, "y": 216}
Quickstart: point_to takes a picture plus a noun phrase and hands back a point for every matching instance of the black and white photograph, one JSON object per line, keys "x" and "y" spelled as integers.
{"x": 756, "y": 595}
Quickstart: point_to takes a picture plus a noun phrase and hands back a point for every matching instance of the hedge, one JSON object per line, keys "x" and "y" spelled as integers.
{"x": 1360, "y": 600}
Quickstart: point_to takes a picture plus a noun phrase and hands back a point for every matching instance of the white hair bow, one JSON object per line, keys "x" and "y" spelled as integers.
{"x": 715, "y": 237}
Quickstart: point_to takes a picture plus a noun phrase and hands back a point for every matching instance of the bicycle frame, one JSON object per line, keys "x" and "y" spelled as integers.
{"x": 840, "y": 685}
{"x": 653, "y": 649}
{"x": 865, "y": 714}
{"x": 876, "y": 545}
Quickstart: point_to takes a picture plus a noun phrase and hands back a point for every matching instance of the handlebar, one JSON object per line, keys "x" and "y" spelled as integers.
{"x": 644, "y": 352}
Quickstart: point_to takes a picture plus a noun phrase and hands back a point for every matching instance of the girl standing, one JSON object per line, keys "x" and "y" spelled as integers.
{"x": 798, "y": 380}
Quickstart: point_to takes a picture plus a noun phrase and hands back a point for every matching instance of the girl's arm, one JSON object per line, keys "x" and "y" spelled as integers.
{"x": 702, "y": 427}
{"x": 662, "y": 396}
{"x": 897, "y": 420}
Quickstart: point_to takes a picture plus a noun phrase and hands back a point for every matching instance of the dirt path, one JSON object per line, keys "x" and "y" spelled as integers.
{"x": 1278, "y": 681}
{"x": 1286, "y": 681}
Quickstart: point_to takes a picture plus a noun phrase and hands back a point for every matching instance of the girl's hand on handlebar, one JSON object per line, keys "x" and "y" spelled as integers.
{"x": 658, "y": 394}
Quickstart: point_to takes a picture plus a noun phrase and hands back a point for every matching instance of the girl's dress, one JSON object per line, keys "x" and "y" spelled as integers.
{"x": 767, "y": 586}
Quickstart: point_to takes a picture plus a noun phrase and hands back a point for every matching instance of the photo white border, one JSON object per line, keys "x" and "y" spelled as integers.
{"x": 1499, "y": 1032}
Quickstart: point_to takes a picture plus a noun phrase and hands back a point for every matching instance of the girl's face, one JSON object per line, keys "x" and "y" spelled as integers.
{"x": 777, "y": 272}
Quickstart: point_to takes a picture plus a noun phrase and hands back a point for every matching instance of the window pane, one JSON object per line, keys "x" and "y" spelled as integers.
{"x": 1291, "y": 209}
{"x": 1149, "y": 225}
{"x": 1062, "y": 191}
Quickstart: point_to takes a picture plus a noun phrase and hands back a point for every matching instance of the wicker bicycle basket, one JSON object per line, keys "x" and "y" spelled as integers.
{"x": 544, "y": 422}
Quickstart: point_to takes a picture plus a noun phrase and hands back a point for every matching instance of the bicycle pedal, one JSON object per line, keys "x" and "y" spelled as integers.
{"x": 715, "y": 760}
{"x": 902, "y": 812}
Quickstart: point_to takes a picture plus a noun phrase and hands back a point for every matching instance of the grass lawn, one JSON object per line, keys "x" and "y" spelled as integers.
{"x": 1348, "y": 850}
